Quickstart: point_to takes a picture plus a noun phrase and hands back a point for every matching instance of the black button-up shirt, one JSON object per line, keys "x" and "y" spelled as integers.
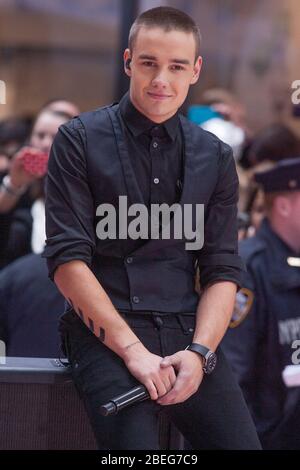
{"x": 156, "y": 154}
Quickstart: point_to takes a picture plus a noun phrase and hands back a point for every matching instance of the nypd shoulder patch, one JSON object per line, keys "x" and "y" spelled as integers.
{"x": 243, "y": 303}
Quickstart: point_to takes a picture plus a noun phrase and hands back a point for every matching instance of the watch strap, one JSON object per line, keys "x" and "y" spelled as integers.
{"x": 198, "y": 348}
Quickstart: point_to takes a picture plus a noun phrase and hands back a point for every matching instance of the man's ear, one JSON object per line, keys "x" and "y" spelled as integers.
{"x": 282, "y": 205}
{"x": 127, "y": 59}
{"x": 197, "y": 70}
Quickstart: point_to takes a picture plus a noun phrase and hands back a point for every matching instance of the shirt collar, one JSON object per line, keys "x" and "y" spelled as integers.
{"x": 138, "y": 123}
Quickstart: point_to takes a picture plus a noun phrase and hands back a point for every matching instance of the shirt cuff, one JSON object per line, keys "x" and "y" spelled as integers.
{"x": 210, "y": 275}
{"x": 81, "y": 253}
{"x": 222, "y": 259}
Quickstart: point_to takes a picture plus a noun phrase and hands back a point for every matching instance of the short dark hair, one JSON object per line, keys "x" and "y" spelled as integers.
{"x": 167, "y": 18}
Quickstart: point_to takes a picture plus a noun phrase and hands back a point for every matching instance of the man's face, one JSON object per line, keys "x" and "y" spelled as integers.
{"x": 286, "y": 215}
{"x": 162, "y": 68}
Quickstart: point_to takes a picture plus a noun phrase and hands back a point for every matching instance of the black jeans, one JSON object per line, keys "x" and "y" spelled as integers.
{"x": 215, "y": 417}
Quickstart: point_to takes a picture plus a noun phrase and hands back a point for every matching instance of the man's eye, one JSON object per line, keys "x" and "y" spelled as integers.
{"x": 177, "y": 67}
{"x": 148, "y": 63}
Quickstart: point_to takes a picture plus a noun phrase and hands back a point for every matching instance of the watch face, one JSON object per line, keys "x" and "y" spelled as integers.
{"x": 211, "y": 362}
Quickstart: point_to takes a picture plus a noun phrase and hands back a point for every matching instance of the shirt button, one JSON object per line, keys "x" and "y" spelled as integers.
{"x": 129, "y": 259}
{"x": 155, "y": 145}
{"x": 156, "y": 180}
{"x": 135, "y": 299}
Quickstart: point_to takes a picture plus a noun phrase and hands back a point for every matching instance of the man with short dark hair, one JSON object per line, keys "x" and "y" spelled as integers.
{"x": 263, "y": 344}
{"x": 133, "y": 314}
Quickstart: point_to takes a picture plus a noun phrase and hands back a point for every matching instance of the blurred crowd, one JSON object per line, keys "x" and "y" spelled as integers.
{"x": 30, "y": 304}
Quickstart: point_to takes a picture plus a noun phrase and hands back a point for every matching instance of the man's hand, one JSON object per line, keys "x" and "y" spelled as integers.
{"x": 146, "y": 368}
{"x": 188, "y": 366}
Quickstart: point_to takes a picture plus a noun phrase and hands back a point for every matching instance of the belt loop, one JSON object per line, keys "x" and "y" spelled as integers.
{"x": 157, "y": 320}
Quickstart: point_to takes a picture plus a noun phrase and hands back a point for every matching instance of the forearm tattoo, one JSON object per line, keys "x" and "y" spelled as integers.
{"x": 88, "y": 322}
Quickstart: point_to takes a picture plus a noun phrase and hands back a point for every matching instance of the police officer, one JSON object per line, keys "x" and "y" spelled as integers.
{"x": 132, "y": 308}
{"x": 267, "y": 314}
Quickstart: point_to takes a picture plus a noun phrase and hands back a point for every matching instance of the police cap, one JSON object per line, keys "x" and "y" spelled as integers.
{"x": 284, "y": 176}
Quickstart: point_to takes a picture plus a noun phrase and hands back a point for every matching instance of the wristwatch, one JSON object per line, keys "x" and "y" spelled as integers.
{"x": 210, "y": 358}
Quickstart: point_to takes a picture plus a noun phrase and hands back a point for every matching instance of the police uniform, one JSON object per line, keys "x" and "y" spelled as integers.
{"x": 116, "y": 151}
{"x": 266, "y": 323}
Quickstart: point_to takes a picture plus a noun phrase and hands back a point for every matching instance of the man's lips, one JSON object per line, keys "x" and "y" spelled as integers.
{"x": 158, "y": 96}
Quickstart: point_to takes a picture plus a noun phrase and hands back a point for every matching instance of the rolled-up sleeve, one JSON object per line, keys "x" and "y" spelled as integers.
{"x": 218, "y": 259}
{"x": 69, "y": 203}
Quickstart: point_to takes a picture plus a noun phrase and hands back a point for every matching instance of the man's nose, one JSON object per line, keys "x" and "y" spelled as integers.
{"x": 161, "y": 79}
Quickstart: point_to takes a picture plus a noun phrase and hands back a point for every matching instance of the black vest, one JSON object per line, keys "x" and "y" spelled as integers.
{"x": 157, "y": 274}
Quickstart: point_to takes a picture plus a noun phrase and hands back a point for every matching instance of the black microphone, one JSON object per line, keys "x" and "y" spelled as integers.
{"x": 116, "y": 404}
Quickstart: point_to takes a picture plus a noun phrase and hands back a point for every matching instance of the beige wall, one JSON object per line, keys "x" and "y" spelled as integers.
{"x": 47, "y": 56}
{"x": 254, "y": 50}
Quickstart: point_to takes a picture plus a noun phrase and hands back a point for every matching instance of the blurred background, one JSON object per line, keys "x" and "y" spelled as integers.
{"x": 61, "y": 57}
{"x": 72, "y": 49}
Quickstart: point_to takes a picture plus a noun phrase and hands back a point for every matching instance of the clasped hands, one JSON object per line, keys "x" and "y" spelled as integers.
{"x": 169, "y": 380}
